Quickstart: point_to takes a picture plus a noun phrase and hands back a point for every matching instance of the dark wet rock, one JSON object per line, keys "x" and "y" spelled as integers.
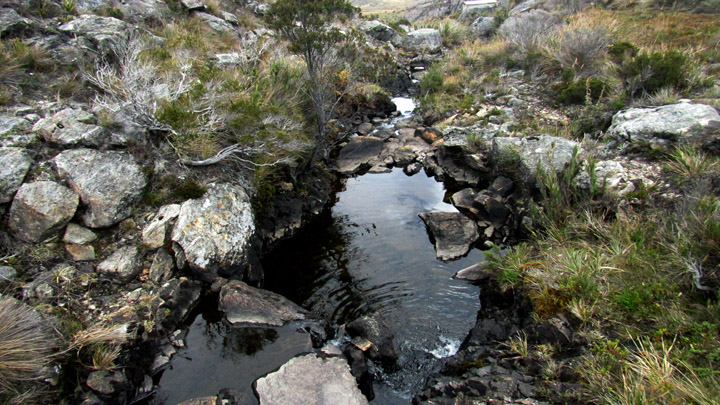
{"x": 491, "y": 209}
{"x": 522, "y": 157}
{"x": 554, "y": 331}
{"x": 374, "y": 329}
{"x": 359, "y": 369}
{"x": 14, "y": 165}
{"x": 162, "y": 267}
{"x": 682, "y": 123}
{"x": 377, "y": 30}
{"x": 14, "y": 25}
{"x": 502, "y": 186}
{"x": 71, "y": 127}
{"x": 476, "y": 272}
{"x": 465, "y": 199}
{"x": 453, "y": 233}
{"x": 426, "y": 40}
{"x": 310, "y": 379}
{"x": 212, "y": 234}
{"x": 101, "y": 33}
{"x": 154, "y": 235}
{"x": 457, "y": 161}
{"x": 247, "y": 305}
{"x": 109, "y": 384}
{"x": 7, "y": 274}
{"x": 123, "y": 265}
{"x": 429, "y": 135}
{"x": 178, "y": 297}
{"x": 412, "y": 168}
{"x": 360, "y": 151}
{"x": 78, "y": 235}
{"x": 80, "y": 253}
{"x": 109, "y": 183}
{"x": 40, "y": 210}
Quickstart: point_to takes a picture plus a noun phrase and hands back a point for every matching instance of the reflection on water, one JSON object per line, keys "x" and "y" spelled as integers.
{"x": 372, "y": 254}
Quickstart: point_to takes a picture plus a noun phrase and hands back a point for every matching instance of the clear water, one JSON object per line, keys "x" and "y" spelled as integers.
{"x": 372, "y": 254}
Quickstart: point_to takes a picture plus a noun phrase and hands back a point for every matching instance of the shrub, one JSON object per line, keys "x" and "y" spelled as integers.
{"x": 431, "y": 82}
{"x": 527, "y": 31}
{"x": 649, "y": 72}
{"x": 26, "y": 352}
{"x": 581, "y": 91}
{"x": 581, "y": 45}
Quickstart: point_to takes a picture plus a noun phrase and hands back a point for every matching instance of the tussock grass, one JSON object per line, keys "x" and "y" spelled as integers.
{"x": 27, "y": 352}
{"x": 580, "y": 45}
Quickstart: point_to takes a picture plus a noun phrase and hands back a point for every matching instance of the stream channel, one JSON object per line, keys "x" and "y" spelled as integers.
{"x": 367, "y": 253}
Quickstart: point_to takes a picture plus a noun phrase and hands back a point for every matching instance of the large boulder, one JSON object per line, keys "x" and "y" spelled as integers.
{"x": 213, "y": 233}
{"x": 310, "y": 379}
{"x": 99, "y": 33}
{"x": 131, "y": 10}
{"x": 71, "y": 127}
{"x": 425, "y": 40}
{"x": 483, "y": 26}
{"x": 14, "y": 165}
{"x": 245, "y": 305}
{"x": 360, "y": 151}
{"x": 40, "y": 210}
{"x": 682, "y": 123}
{"x": 453, "y": 232}
{"x": 377, "y": 30}
{"x": 523, "y": 157}
{"x": 109, "y": 183}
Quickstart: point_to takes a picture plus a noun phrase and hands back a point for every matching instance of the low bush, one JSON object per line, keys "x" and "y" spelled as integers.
{"x": 580, "y": 91}
{"x": 580, "y": 45}
{"x": 649, "y": 72}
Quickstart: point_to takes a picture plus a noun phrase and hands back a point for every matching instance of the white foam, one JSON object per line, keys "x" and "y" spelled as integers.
{"x": 447, "y": 347}
{"x": 405, "y": 105}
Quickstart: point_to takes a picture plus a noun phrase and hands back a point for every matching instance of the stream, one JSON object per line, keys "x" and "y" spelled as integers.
{"x": 367, "y": 253}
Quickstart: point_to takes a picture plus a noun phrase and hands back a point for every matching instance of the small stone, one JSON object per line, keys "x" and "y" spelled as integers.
{"x": 155, "y": 233}
{"x": 107, "y": 382}
{"x": 78, "y": 235}
{"x": 7, "y": 274}
{"x": 162, "y": 267}
{"x": 80, "y": 253}
{"x": 476, "y": 272}
{"x": 14, "y": 165}
{"x": 193, "y": 5}
{"x": 123, "y": 264}
{"x": 364, "y": 128}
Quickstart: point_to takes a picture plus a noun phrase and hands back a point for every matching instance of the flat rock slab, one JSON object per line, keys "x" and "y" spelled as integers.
{"x": 453, "y": 233}
{"x": 522, "y": 157}
{"x": 247, "y": 305}
{"x": 109, "y": 183}
{"x": 669, "y": 123}
{"x": 310, "y": 380}
{"x": 213, "y": 232}
{"x": 476, "y": 272}
{"x": 361, "y": 150}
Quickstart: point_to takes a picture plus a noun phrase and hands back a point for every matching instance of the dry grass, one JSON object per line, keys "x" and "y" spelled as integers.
{"x": 580, "y": 45}
{"x": 102, "y": 344}
{"x": 27, "y": 350}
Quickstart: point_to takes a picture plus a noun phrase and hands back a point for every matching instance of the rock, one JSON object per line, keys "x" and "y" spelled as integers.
{"x": 476, "y": 272}
{"x": 9, "y": 125}
{"x": 377, "y": 30}
{"x": 7, "y": 274}
{"x": 491, "y": 209}
{"x": 40, "y": 210}
{"x": 79, "y": 235}
{"x": 609, "y": 176}
{"x": 412, "y": 168}
{"x": 179, "y": 296}
{"x": 453, "y": 233}
{"x": 154, "y": 233}
{"x": 14, "y": 165}
{"x": 216, "y": 24}
{"x": 359, "y": 369}
{"x": 109, "y": 183}
{"x": 525, "y": 6}
{"x": 310, "y": 379}
{"x": 80, "y": 253}
{"x": 102, "y": 33}
{"x": 193, "y": 5}
{"x": 13, "y": 24}
{"x": 123, "y": 265}
{"x": 230, "y": 17}
{"x": 464, "y": 199}
{"x": 675, "y": 123}
{"x": 426, "y": 40}
{"x": 404, "y": 155}
{"x": 107, "y": 382}
{"x": 554, "y": 331}
{"x": 483, "y": 26}
{"x": 501, "y": 186}
{"x": 522, "y": 157}
{"x": 243, "y": 304}
{"x": 138, "y": 11}
{"x": 162, "y": 267}
{"x": 361, "y": 150}
{"x": 212, "y": 234}
{"x": 71, "y": 127}
{"x": 227, "y": 60}
{"x": 429, "y": 135}
{"x": 364, "y": 128}
{"x": 374, "y": 329}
